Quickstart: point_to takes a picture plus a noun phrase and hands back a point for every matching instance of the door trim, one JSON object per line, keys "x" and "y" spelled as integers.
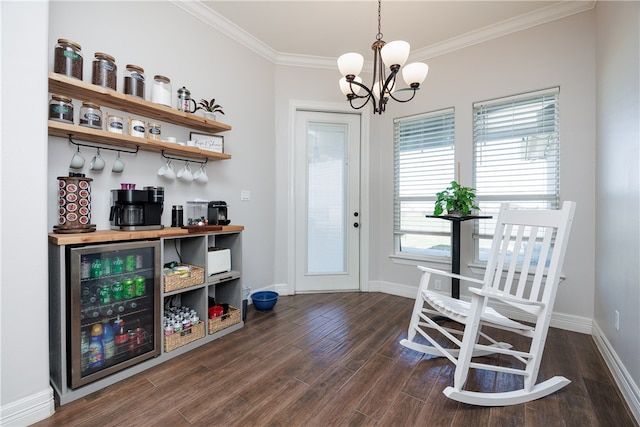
{"x": 329, "y": 107}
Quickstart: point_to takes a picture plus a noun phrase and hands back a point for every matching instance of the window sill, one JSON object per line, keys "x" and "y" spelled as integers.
{"x": 406, "y": 259}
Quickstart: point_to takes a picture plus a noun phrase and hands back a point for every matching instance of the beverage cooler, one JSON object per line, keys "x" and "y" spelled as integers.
{"x": 113, "y": 293}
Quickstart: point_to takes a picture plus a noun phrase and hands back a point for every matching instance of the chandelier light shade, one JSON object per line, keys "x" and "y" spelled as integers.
{"x": 388, "y": 60}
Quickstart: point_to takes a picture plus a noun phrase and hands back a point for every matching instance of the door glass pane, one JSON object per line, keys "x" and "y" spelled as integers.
{"x": 327, "y": 196}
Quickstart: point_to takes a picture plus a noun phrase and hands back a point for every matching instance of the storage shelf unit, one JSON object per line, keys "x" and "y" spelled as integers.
{"x": 84, "y": 91}
{"x": 193, "y": 247}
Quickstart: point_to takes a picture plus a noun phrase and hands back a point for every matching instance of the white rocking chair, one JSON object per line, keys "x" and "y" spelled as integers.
{"x": 522, "y": 275}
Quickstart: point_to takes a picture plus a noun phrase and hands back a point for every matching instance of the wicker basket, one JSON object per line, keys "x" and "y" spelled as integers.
{"x": 219, "y": 323}
{"x": 184, "y": 337}
{"x": 175, "y": 282}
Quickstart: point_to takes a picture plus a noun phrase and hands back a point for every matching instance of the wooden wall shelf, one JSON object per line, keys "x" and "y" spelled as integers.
{"x": 76, "y": 89}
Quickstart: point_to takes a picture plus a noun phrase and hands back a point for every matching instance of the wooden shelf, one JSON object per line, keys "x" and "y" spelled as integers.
{"x": 82, "y": 133}
{"x": 77, "y": 89}
{"x": 106, "y": 236}
{"x": 84, "y": 91}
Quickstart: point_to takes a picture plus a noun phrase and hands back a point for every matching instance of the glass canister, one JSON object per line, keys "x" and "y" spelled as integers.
{"x": 137, "y": 128}
{"x": 90, "y": 115}
{"x": 60, "y": 109}
{"x": 134, "y": 81}
{"x": 161, "y": 90}
{"x": 104, "y": 71}
{"x": 67, "y": 59}
{"x": 153, "y": 131}
{"x": 115, "y": 123}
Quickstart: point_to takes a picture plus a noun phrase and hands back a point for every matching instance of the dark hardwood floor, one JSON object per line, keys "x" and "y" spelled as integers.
{"x": 334, "y": 360}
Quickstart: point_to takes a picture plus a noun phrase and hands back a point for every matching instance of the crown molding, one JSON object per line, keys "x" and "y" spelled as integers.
{"x": 503, "y": 28}
{"x": 509, "y": 26}
{"x": 226, "y": 27}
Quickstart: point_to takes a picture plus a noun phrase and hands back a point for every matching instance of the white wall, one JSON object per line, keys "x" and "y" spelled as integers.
{"x": 25, "y": 394}
{"x": 618, "y": 185}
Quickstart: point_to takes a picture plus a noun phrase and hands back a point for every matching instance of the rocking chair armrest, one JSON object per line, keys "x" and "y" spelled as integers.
{"x": 491, "y": 293}
{"x": 447, "y": 274}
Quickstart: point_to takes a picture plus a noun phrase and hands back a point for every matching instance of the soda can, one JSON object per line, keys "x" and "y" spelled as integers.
{"x": 118, "y": 265}
{"x": 106, "y": 266}
{"x": 130, "y": 263}
{"x": 105, "y": 294}
{"x": 85, "y": 268}
{"x": 139, "y": 261}
{"x": 129, "y": 288}
{"x": 140, "y": 286}
{"x": 96, "y": 268}
{"x": 117, "y": 290}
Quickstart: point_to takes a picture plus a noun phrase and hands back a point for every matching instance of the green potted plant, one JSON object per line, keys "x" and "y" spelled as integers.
{"x": 210, "y": 108}
{"x": 456, "y": 200}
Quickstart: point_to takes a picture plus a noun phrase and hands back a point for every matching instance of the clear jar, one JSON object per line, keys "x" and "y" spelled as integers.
{"x": 134, "y": 81}
{"x": 161, "y": 90}
{"x": 67, "y": 59}
{"x": 60, "y": 109}
{"x": 104, "y": 71}
{"x": 90, "y": 115}
{"x": 136, "y": 128}
{"x": 115, "y": 123}
{"x": 153, "y": 131}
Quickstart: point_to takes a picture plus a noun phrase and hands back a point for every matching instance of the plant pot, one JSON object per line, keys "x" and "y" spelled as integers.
{"x": 209, "y": 115}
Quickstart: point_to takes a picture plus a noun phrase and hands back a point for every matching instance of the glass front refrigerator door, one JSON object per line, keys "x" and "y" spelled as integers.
{"x": 114, "y": 295}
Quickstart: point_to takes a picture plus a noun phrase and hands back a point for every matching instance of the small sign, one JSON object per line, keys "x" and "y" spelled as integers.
{"x": 204, "y": 141}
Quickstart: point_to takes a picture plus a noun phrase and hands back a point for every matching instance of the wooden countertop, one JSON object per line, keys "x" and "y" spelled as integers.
{"x": 100, "y": 236}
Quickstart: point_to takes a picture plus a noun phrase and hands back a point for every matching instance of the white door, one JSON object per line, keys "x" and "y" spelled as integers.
{"x": 327, "y": 198}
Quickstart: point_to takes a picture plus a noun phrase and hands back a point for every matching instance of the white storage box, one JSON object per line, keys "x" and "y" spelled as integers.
{"x": 219, "y": 261}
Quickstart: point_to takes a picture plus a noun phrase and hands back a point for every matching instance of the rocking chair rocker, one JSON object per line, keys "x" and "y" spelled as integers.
{"x": 522, "y": 274}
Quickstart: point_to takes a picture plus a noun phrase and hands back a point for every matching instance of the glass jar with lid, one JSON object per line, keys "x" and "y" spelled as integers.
{"x": 91, "y": 115}
{"x": 161, "y": 90}
{"x": 60, "y": 109}
{"x": 134, "y": 81}
{"x": 67, "y": 59}
{"x": 104, "y": 71}
{"x": 153, "y": 131}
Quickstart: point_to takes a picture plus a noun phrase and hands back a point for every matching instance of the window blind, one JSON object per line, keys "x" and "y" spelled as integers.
{"x": 423, "y": 165}
{"x": 516, "y": 155}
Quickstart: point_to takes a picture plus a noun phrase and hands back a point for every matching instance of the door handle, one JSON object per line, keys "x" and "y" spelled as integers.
{"x": 356, "y": 225}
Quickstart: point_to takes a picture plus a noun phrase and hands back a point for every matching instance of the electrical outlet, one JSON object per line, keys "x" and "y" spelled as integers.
{"x": 438, "y": 284}
{"x": 616, "y": 320}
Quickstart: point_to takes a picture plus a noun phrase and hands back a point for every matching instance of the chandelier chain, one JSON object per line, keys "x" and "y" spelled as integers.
{"x": 379, "y": 35}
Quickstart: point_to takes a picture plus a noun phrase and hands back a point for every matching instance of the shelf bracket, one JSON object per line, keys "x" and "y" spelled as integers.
{"x": 119, "y": 150}
{"x": 182, "y": 159}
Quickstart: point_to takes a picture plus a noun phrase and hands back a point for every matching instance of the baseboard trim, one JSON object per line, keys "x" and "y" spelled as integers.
{"x": 28, "y": 410}
{"x": 629, "y": 389}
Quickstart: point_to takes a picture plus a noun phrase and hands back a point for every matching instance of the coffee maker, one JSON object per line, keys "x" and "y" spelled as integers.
{"x": 133, "y": 210}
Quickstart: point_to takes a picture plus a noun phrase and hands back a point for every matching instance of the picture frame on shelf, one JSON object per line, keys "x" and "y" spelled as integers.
{"x": 208, "y": 142}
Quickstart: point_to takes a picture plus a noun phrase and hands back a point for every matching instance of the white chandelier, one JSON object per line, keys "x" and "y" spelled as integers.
{"x": 393, "y": 54}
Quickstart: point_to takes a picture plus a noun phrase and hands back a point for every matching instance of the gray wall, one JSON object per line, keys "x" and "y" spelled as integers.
{"x": 192, "y": 54}
{"x": 618, "y": 183}
{"x": 559, "y": 53}
{"x": 256, "y": 96}
{"x": 24, "y": 345}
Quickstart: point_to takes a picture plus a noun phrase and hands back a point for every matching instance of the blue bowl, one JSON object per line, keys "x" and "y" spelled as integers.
{"x": 264, "y": 300}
